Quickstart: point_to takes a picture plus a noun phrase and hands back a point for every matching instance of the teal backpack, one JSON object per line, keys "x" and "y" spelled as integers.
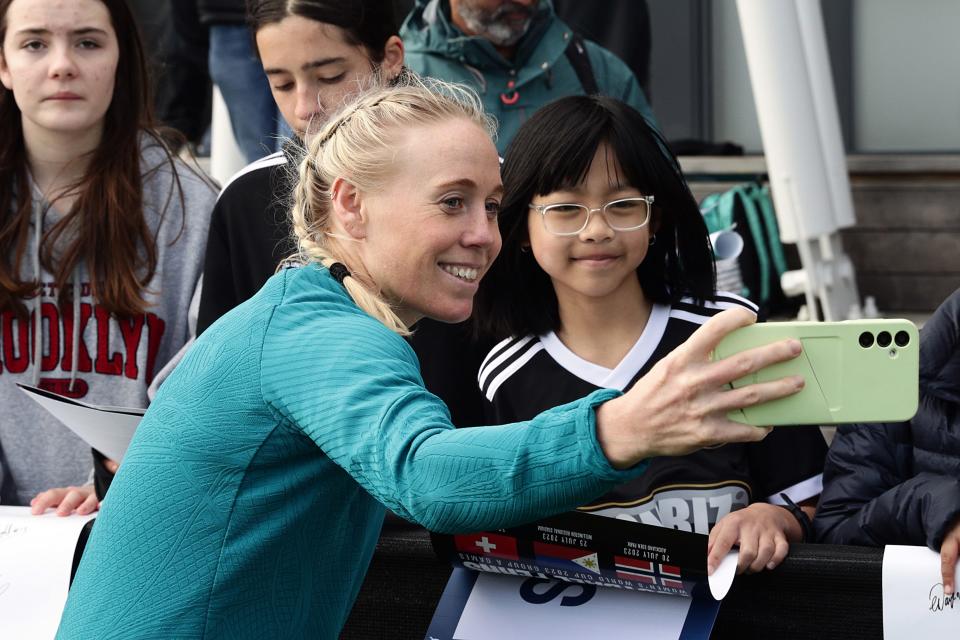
{"x": 748, "y": 210}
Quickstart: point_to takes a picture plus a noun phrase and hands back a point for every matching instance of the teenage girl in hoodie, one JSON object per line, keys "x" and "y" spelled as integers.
{"x": 101, "y": 236}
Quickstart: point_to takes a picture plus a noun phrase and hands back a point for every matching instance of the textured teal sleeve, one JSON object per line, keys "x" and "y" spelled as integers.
{"x": 354, "y": 388}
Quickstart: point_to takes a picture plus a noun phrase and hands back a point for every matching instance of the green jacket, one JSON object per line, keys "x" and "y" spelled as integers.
{"x": 512, "y": 89}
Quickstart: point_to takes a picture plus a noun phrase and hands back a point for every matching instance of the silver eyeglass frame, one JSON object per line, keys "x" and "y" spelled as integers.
{"x": 542, "y": 210}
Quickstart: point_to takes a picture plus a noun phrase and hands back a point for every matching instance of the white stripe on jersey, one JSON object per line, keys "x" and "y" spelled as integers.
{"x": 510, "y": 355}
{"x": 487, "y": 367}
{"x": 272, "y": 160}
{"x": 695, "y": 318}
{"x": 509, "y": 371}
{"x": 801, "y": 491}
{"x": 621, "y": 375}
{"x": 726, "y": 300}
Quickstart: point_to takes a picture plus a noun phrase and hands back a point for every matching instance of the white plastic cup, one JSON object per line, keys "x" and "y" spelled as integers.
{"x": 727, "y": 247}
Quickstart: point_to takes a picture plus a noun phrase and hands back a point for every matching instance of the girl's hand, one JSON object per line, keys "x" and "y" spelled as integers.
{"x": 681, "y": 405}
{"x": 763, "y": 532}
{"x": 66, "y": 500}
{"x": 948, "y": 558}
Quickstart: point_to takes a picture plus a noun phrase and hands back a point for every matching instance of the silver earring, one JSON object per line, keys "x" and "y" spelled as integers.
{"x": 653, "y": 239}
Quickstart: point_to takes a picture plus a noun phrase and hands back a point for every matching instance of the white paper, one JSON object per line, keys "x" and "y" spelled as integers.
{"x": 495, "y": 611}
{"x": 914, "y": 605}
{"x": 722, "y": 578}
{"x": 36, "y": 553}
{"x": 106, "y": 429}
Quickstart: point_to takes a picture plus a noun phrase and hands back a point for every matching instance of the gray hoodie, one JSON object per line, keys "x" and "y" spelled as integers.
{"x": 116, "y": 360}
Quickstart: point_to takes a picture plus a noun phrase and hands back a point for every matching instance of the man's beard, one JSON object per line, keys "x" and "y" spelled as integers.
{"x": 493, "y": 26}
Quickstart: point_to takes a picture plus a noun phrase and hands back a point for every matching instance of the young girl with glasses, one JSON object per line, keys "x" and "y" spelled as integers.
{"x": 606, "y": 269}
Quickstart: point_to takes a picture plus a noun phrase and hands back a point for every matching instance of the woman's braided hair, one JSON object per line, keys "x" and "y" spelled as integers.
{"x": 359, "y": 144}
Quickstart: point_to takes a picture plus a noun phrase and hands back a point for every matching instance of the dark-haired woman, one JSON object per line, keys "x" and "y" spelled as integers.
{"x": 101, "y": 235}
{"x": 316, "y": 54}
{"x": 606, "y": 268}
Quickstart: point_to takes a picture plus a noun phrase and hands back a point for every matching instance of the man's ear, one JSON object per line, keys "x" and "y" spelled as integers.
{"x": 347, "y": 209}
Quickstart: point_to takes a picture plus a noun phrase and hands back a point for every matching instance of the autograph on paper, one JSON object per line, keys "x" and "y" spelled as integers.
{"x": 942, "y": 602}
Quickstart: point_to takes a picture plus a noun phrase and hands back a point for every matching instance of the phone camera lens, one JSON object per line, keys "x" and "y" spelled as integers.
{"x": 902, "y": 338}
{"x": 866, "y": 339}
{"x": 884, "y": 339}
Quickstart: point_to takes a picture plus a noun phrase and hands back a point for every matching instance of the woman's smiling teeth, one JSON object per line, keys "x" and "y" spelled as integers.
{"x": 470, "y": 274}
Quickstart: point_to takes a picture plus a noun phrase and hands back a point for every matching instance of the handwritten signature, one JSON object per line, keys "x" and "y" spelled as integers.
{"x": 940, "y": 601}
{"x": 9, "y": 530}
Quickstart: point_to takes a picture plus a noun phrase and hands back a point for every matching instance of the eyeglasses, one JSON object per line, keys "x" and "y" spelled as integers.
{"x": 626, "y": 214}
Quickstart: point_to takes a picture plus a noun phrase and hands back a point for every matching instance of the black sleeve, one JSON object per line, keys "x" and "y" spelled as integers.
{"x": 872, "y": 497}
{"x": 183, "y": 97}
{"x": 449, "y": 358}
{"x": 218, "y": 294}
{"x": 790, "y": 457}
{"x": 250, "y": 235}
{"x": 102, "y": 478}
{"x": 940, "y": 350}
{"x": 8, "y": 491}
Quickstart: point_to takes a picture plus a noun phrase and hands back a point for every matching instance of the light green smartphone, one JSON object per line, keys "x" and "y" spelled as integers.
{"x": 855, "y": 371}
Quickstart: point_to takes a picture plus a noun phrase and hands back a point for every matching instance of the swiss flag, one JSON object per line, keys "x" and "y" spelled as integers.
{"x": 491, "y": 545}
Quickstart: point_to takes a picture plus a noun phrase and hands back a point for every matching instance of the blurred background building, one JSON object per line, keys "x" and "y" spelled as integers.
{"x": 894, "y": 73}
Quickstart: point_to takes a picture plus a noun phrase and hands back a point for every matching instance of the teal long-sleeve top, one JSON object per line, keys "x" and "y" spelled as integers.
{"x": 251, "y": 498}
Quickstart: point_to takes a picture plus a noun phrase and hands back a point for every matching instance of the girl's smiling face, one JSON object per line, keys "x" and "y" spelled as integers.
{"x": 599, "y": 261}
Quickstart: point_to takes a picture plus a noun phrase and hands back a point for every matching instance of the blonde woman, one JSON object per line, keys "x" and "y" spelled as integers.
{"x": 250, "y": 501}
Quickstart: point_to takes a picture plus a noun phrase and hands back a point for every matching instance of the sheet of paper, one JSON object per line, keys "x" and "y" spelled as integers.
{"x": 722, "y": 579}
{"x": 36, "y": 553}
{"x": 914, "y": 605}
{"x": 497, "y": 610}
{"x": 487, "y": 606}
{"x": 106, "y": 429}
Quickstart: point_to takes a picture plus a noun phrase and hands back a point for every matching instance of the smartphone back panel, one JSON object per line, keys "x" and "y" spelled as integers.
{"x": 855, "y": 371}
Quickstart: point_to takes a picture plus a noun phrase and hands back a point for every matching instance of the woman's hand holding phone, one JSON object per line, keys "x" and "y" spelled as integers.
{"x": 681, "y": 405}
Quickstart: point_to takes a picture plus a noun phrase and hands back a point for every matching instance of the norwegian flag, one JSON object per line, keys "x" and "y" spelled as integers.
{"x": 647, "y": 572}
{"x": 490, "y": 545}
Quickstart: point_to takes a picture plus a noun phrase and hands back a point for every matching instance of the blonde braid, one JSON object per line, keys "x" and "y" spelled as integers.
{"x": 310, "y": 213}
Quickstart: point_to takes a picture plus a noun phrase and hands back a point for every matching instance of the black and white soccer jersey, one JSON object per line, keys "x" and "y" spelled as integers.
{"x": 522, "y": 377}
